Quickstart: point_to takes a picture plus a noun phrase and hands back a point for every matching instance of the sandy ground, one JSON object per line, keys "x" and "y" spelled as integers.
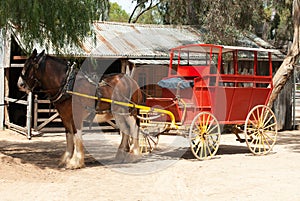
{"x": 28, "y": 171}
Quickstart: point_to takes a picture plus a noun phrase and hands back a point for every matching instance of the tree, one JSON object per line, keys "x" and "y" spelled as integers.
{"x": 58, "y": 22}
{"x": 220, "y": 24}
{"x": 150, "y": 17}
{"x": 278, "y": 27}
{"x": 292, "y": 58}
{"x": 117, "y": 14}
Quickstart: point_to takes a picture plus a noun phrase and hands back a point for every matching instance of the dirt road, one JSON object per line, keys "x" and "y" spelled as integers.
{"x": 28, "y": 171}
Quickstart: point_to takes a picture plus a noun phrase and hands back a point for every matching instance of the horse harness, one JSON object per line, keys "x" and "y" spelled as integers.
{"x": 67, "y": 85}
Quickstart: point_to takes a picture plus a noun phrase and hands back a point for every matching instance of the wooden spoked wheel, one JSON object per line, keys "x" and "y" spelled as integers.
{"x": 260, "y": 130}
{"x": 147, "y": 142}
{"x": 204, "y": 136}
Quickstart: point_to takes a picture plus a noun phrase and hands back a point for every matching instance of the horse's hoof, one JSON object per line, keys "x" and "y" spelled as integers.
{"x": 74, "y": 166}
{"x": 61, "y": 165}
{"x": 75, "y": 163}
{"x": 132, "y": 158}
{"x": 120, "y": 156}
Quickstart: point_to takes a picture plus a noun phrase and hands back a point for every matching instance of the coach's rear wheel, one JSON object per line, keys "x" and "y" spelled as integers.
{"x": 204, "y": 136}
{"x": 260, "y": 130}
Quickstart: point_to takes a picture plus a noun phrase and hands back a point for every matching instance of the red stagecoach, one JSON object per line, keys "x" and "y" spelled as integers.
{"x": 210, "y": 87}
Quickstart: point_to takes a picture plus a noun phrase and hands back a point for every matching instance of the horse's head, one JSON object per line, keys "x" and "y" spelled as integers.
{"x": 29, "y": 78}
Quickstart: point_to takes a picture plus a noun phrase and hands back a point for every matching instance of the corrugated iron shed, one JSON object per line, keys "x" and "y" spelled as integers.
{"x": 125, "y": 40}
{"x": 138, "y": 41}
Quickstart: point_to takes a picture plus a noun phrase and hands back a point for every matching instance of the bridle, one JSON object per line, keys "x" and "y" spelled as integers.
{"x": 25, "y": 77}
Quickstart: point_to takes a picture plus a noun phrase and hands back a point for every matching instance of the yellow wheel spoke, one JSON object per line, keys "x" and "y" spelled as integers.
{"x": 263, "y": 143}
{"x": 252, "y": 141}
{"x": 258, "y": 115}
{"x": 266, "y": 135}
{"x": 255, "y": 119}
{"x": 265, "y": 123}
{"x": 210, "y": 130}
{"x": 266, "y": 115}
{"x": 207, "y": 120}
{"x": 253, "y": 123}
{"x": 266, "y": 141}
{"x": 214, "y": 140}
{"x": 209, "y": 147}
{"x": 271, "y": 125}
{"x": 212, "y": 144}
{"x": 254, "y": 133}
{"x": 194, "y": 138}
{"x": 204, "y": 147}
{"x": 199, "y": 146}
{"x": 256, "y": 144}
{"x": 201, "y": 152}
{"x": 198, "y": 127}
{"x": 209, "y": 127}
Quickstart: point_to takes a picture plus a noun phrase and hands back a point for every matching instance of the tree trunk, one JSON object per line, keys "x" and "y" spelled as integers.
{"x": 287, "y": 66}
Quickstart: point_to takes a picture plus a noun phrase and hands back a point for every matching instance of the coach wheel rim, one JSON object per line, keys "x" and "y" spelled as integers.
{"x": 260, "y": 130}
{"x": 204, "y": 135}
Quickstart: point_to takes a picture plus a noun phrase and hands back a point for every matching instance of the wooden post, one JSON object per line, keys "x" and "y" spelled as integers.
{"x": 29, "y": 115}
{"x": 35, "y": 112}
{"x": 5, "y": 43}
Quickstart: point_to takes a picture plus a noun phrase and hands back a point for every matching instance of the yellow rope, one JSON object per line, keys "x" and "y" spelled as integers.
{"x": 142, "y": 107}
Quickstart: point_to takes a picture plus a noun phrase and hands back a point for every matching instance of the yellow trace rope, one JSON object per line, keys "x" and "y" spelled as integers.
{"x": 142, "y": 107}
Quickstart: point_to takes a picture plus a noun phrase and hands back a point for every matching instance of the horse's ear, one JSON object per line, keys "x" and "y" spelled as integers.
{"x": 33, "y": 54}
{"x": 40, "y": 57}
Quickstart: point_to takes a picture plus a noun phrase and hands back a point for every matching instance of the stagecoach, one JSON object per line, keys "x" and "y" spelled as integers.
{"x": 210, "y": 88}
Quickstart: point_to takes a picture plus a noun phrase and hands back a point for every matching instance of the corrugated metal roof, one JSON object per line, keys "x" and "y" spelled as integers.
{"x": 140, "y": 41}
{"x": 130, "y": 41}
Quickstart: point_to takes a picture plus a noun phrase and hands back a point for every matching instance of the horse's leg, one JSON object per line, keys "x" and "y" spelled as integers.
{"x": 66, "y": 157}
{"x": 77, "y": 160}
{"x": 124, "y": 147}
{"x": 128, "y": 128}
{"x": 74, "y": 155}
{"x": 134, "y": 132}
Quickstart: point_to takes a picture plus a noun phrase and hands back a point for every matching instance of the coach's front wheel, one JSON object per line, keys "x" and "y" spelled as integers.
{"x": 204, "y": 136}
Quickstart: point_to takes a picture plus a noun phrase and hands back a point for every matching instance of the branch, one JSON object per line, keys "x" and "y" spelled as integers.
{"x": 135, "y": 8}
{"x": 141, "y": 12}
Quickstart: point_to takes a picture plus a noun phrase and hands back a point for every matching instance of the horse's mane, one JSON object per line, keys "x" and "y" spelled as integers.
{"x": 60, "y": 60}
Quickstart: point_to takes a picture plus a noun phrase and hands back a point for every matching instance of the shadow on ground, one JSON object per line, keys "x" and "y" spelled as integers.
{"x": 46, "y": 154}
{"x": 223, "y": 150}
{"x": 291, "y": 139}
{"x": 40, "y": 154}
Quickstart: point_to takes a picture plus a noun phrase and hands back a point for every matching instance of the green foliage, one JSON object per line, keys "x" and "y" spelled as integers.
{"x": 117, "y": 14}
{"x": 282, "y": 24}
{"x": 221, "y": 19}
{"x": 58, "y": 22}
{"x": 150, "y": 17}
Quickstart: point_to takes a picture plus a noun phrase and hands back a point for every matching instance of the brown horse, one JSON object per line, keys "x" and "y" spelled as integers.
{"x": 52, "y": 76}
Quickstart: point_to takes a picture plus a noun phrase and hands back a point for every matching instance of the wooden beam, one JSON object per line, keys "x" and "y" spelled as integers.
{"x": 20, "y": 57}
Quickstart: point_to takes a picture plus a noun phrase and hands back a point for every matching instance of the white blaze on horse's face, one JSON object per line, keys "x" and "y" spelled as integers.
{"x": 21, "y": 84}
{"x": 26, "y": 81}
